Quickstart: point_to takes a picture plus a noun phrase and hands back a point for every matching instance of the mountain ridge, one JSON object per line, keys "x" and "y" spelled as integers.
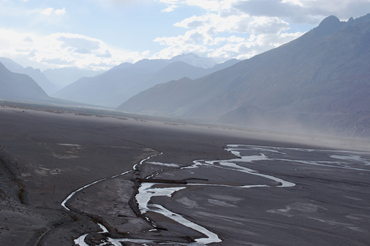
{"x": 312, "y": 80}
{"x": 14, "y": 86}
{"x": 35, "y": 74}
{"x": 62, "y": 77}
{"x": 120, "y": 83}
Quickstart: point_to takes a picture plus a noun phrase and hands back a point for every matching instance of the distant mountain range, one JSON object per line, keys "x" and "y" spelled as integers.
{"x": 194, "y": 60}
{"x": 117, "y": 85}
{"x": 35, "y": 74}
{"x": 15, "y": 86}
{"x": 320, "y": 81}
{"x": 111, "y": 88}
{"x": 62, "y": 77}
{"x": 21, "y": 87}
{"x": 50, "y": 80}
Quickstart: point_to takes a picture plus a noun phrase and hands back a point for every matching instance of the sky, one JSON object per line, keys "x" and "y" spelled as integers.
{"x": 100, "y": 34}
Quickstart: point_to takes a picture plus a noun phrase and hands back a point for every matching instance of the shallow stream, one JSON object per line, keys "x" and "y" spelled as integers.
{"x": 206, "y": 173}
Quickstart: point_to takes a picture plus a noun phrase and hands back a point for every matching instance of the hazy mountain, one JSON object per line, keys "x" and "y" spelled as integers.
{"x": 318, "y": 81}
{"x": 15, "y": 86}
{"x": 195, "y": 60}
{"x": 35, "y": 74}
{"x": 152, "y": 65}
{"x": 11, "y": 65}
{"x": 21, "y": 87}
{"x": 62, "y": 77}
{"x": 126, "y": 80}
{"x": 104, "y": 89}
{"x": 223, "y": 65}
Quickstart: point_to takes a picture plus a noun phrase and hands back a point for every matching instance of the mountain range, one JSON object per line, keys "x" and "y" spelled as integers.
{"x": 120, "y": 83}
{"x": 62, "y": 77}
{"x": 319, "y": 81}
{"x": 15, "y": 86}
{"x": 50, "y": 80}
{"x": 35, "y": 74}
{"x": 22, "y": 88}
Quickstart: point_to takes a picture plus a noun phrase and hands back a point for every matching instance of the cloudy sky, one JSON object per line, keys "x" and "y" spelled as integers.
{"x": 99, "y": 34}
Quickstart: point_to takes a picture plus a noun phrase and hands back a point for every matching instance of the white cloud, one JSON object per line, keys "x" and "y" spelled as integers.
{"x": 244, "y": 28}
{"x": 293, "y": 2}
{"x": 60, "y": 11}
{"x": 63, "y": 49}
{"x": 210, "y": 5}
{"x": 27, "y": 39}
{"x": 224, "y": 32}
{"x": 120, "y": 3}
{"x": 106, "y": 54}
{"x": 222, "y": 28}
{"x": 170, "y": 8}
{"x": 145, "y": 53}
{"x": 50, "y": 11}
{"x": 304, "y": 11}
{"x": 241, "y": 23}
{"x": 47, "y": 11}
{"x": 79, "y": 42}
{"x": 234, "y": 39}
{"x": 171, "y": 2}
{"x": 232, "y": 47}
{"x": 15, "y": 14}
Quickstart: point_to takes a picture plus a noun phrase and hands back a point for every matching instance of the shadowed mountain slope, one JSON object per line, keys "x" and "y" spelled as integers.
{"x": 22, "y": 88}
{"x": 319, "y": 81}
{"x": 35, "y": 74}
{"x": 14, "y": 86}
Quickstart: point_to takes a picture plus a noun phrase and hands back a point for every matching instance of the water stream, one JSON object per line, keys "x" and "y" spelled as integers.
{"x": 245, "y": 154}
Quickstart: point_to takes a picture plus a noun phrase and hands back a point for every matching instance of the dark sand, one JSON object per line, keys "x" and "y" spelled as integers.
{"x": 47, "y": 155}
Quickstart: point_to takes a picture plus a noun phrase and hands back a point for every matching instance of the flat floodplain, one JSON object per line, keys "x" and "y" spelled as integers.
{"x": 157, "y": 181}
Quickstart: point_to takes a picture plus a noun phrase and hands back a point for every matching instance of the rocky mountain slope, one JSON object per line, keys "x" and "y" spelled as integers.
{"x": 318, "y": 82}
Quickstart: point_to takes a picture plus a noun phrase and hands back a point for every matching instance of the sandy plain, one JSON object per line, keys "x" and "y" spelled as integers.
{"x": 48, "y": 153}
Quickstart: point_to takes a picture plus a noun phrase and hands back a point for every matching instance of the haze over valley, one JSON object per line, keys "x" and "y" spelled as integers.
{"x": 184, "y": 123}
{"x": 124, "y": 81}
{"x": 316, "y": 83}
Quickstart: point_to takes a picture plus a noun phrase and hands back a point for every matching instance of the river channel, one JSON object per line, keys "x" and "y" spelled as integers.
{"x": 228, "y": 177}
